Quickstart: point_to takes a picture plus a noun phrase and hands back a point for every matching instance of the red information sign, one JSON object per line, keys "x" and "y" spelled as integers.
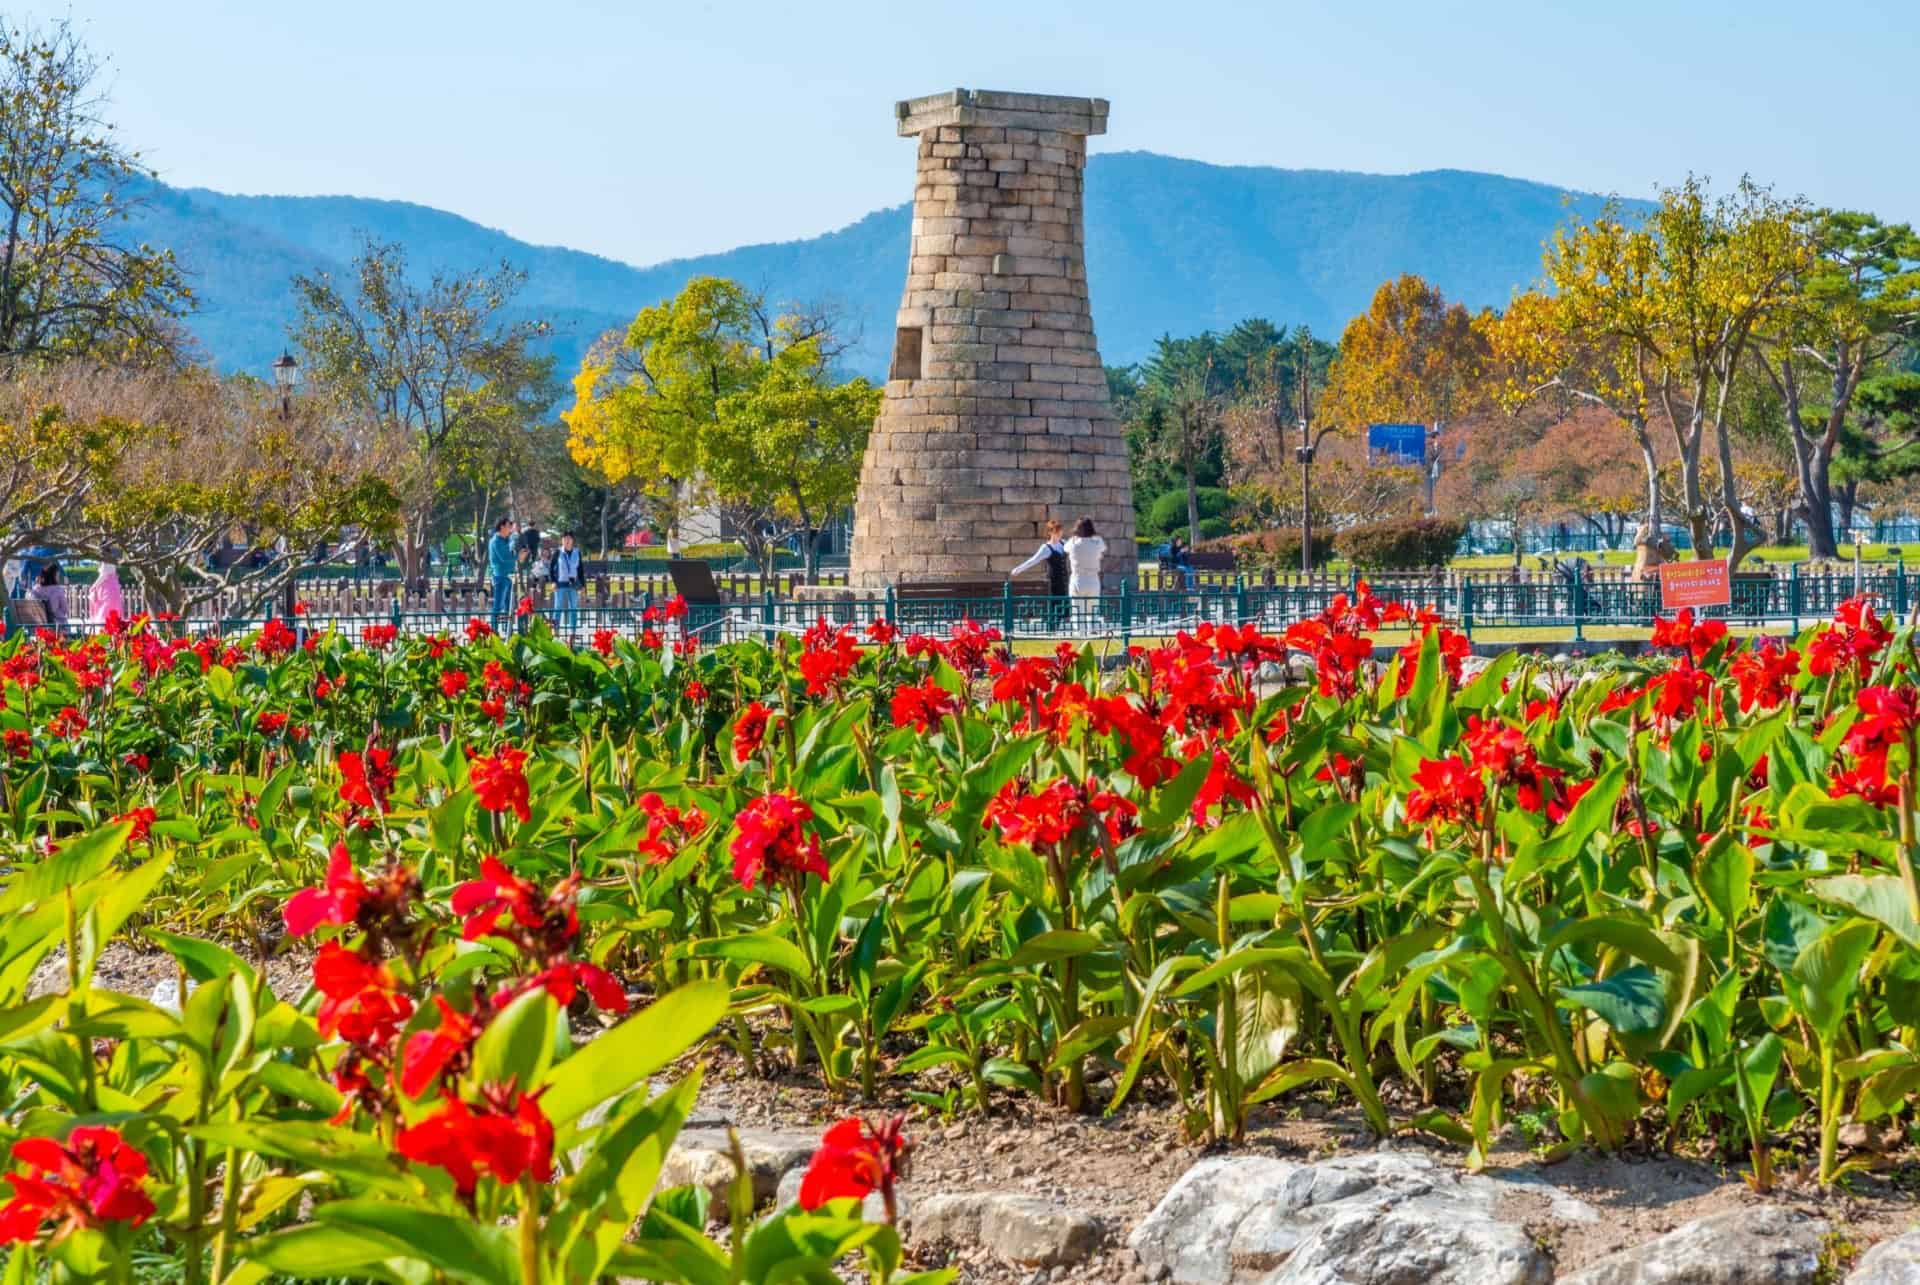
{"x": 1694, "y": 584}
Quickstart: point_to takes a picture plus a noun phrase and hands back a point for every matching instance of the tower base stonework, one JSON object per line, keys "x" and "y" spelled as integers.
{"x": 996, "y": 415}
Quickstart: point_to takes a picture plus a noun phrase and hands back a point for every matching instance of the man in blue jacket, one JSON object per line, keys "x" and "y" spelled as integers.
{"x": 502, "y": 559}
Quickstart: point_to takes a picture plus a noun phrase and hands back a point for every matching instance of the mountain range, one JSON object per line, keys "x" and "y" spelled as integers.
{"x": 1173, "y": 247}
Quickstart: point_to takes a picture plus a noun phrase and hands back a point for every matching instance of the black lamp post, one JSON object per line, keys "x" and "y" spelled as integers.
{"x": 1304, "y": 454}
{"x": 286, "y": 374}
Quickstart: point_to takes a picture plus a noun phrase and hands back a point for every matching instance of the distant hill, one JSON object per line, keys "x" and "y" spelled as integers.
{"x": 1173, "y": 246}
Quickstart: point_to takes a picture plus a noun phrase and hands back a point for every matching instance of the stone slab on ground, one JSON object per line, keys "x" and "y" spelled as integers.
{"x": 1765, "y": 1245}
{"x": 702, "y": 1158}
{"x": 1026, "y": 1230}
{"x": 1891, "y": 1262}
{"x": 1383, "y": 1217}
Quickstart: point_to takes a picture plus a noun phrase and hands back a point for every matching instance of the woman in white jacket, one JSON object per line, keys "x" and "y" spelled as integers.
{"x": 1084, "y": 552}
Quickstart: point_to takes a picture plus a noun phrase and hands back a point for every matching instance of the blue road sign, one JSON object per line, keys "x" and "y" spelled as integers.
{"x": 1398, "y": 443}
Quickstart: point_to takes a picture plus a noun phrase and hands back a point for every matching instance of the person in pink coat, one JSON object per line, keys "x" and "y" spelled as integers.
{"x": 106, "y": 595}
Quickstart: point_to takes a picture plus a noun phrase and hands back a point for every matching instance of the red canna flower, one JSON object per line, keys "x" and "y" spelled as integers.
{"x": 773, "y": 834}
{"x": 498, "y": 891}
{"x": 275, "y": 639}
{"x": 854, "y": 1159}
{"x": 270, "y": 722}
{"x": 1764, "y": 674}
{"x": 19, "y": 744}
{"x": 1222, "y": 784}
{"x": 1681, "y": 632}
{"x": 603, "y": 641}
{"x": 827, "y": 656}
{"x": 565, "y": 980}
{"x": 360, "y": 1001}
{"x": 1445, "y": 789}
{"x": 668, "y": 828}
{"x": 695, "y": 691}
{"x": 499, "y": 781}
{"x": 93, "y": 1178}
{"x": 921, "y": 705}
{"x": 443, "y": 1050}
{"x": 478, "y": 629}
{"x": 378, "y": 637}
{"x": 524, "y": 610}
{"x": 1888, "y": 716}
{"x": 143, "y": 819}
{"x": 1855, "y": 637}
{"x": 338, "y": 902}
{"x": 882, "y": 631}
{"x": 505, "y": 1137}
{"x": 367, "y": 779}
{"x": 749, "y": 730}
{"x": 453, "y": 682}
{"x": 67, "y": 725}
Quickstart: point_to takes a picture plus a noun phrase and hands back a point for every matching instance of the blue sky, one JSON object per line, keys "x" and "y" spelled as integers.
{"x": 646, "y": 131}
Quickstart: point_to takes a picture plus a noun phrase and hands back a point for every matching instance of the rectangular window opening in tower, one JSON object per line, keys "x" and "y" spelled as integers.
{"x": 906, "y": 353}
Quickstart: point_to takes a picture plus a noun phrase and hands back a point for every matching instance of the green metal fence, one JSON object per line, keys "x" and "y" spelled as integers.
{"x": 1574, "y": 602}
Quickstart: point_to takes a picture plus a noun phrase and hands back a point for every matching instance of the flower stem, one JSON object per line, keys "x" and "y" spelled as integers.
{"x": 529, "y": 1230}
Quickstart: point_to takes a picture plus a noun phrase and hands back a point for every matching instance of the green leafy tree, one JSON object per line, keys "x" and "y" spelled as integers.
{"x": 668, "y": 408}
{"x": 440, "y": 364}
{"x": 787, "y": 449}
{"x": 1855, "y": 304}
{"x": 71, "y": 281}
{"x": 1182, "y": 399}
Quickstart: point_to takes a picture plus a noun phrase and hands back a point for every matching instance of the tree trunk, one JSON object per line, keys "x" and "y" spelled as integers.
{"x": 1193, "y": 491}
{"x": 606, "y": 519}
{"x": 1849, "y": 496}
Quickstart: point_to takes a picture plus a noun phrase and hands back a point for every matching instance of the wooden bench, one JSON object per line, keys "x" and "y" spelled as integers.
{"x": 955, "y": 590}
{"x": 29, "y": 613}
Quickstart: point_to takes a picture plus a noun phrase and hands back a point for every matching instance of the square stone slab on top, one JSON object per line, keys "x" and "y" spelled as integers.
{"x": 996, "y": 107}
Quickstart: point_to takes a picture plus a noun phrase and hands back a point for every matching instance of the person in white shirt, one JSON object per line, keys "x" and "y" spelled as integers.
{"x": 1084, "y": 552}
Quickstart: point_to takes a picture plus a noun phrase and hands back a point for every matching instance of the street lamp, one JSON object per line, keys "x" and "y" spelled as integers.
{"x": 286, "y": 373}
{"x": 1304, "y": 454}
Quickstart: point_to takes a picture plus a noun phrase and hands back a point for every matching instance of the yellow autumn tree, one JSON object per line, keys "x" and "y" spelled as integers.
{"x": 1654, "y": 318}
{"x": 1411, "y": 357}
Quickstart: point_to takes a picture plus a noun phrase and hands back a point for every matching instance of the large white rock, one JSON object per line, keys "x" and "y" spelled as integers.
{"x": 701, "y": 1158}
{"x": 1028, "y": 1230}
{"x": 1372, "y": 1218}
{"x": 1764, "y": 1245}
{"x": 1891, "y": 1262}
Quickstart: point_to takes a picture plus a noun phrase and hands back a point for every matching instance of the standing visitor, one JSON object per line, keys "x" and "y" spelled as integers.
{"x": 1084, "y": 552}
{"x": 502, "y": 557}
{"x": 107, "y": 599}
{"x": 565, "y": 574}
{"x": 1053, "y": 552}
{"x": 50, "y": 590}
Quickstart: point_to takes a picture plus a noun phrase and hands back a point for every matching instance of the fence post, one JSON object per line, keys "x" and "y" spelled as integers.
{"x": 1239, "y": 600}
{"x": 1793, "y": 594}
{"x": 1126, "y": 614}
{"x": 891, "y": 614}
{"x": 766, "y": 610}
{"x": 1579, "y": 600}
{"x": 1006, "y": 610}
{"x": 1900, "y": 589}
{"x": 1466, "y": 606}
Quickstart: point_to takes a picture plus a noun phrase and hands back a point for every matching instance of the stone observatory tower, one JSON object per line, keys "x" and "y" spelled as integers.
{"x": 996, "y": 415}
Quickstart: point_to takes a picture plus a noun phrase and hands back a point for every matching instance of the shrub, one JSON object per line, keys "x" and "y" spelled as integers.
{"x": 1401, "y": 544}
{"x": 1277, "y": 549}
{"x": 1167, "y": 515}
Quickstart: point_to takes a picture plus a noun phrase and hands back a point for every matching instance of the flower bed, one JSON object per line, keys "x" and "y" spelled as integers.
{"x": 1664, "y": 901}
